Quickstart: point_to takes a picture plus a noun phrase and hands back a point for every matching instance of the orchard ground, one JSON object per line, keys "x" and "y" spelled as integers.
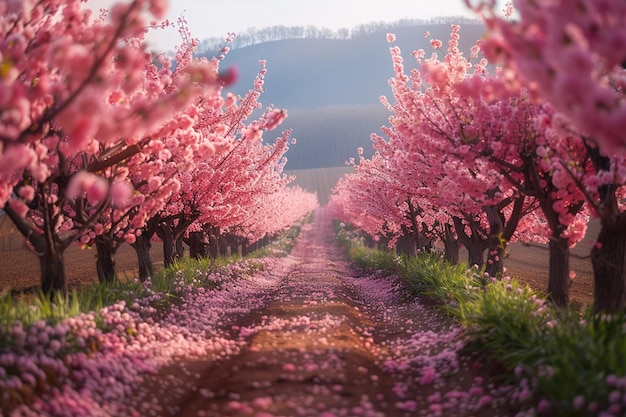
{"x": 19, "y": 267}
{"x": 309, "y": 339}
{"x": 324, "y": 343}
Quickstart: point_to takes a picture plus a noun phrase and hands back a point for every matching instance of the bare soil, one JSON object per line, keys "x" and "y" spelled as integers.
{"x": 320, "y": 344}
{"x": 19, "y": 267}
{"x": 319, "y": 347}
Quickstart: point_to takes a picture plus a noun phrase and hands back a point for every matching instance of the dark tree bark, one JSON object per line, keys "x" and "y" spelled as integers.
{"x": 558, "y": 269}
{"x": 166, "y": 234}
{"x": 607, "y": 260}
{"x": 214, "y": 247}
{"x": 406, "y": 243}
{"x": 105, "y": 262}
{"x": 171, "y": 230}
{"x": 451, "y": 246}
{"x": 607, "y": 256}
{"x": 500, "y": 232}
{"x": 50, "y": 253}
{"x": 197, "y": 245}
{"x": 558, "y": 275}
{"x": 473, "y": 243}
{"x": 142, "y": 247}
{"x": 179, "y": 246}
{"x": 53, "y": 275}
{"x": 425, "y": 242}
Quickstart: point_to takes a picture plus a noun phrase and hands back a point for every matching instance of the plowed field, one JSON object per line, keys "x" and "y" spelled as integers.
{"x": 19, "y": 268}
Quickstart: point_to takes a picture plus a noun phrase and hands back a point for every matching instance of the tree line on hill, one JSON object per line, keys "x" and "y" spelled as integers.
{"x": 255, "y": 36}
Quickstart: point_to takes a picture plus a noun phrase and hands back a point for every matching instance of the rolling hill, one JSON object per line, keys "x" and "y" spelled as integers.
{"x": 306, "y": 73}
{"x": 319, "y": 180}
{"x": 331, "y": 87}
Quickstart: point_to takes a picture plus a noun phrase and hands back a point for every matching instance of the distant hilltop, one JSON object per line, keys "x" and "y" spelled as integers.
{"x": 255, "y": 36}
{"x": 317, "y": 72}
{"x": 331, "y": 86}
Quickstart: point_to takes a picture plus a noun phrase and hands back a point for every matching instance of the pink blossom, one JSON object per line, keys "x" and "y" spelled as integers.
{"x": 578, "y": 402}
{"x": 27, "y": 192}
{"x": 19, "y": 207}
{"x": 428, "y": 375}
{"x": 230, "y": 76}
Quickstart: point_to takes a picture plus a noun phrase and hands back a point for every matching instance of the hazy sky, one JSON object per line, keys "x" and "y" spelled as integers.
{"x": 215, "y": 18}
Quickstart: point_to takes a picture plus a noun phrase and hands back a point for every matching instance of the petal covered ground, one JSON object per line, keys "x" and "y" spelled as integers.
{"x": 303, "y": 337}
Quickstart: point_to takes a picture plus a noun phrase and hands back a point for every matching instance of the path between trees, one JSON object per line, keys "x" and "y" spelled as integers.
{"x": 325, "y": 343}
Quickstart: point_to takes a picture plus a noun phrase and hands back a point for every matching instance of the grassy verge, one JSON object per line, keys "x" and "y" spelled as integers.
{"x": 163, "y": 289}
{"x": 567, "y": 363}
{"x": 44, "y": 340}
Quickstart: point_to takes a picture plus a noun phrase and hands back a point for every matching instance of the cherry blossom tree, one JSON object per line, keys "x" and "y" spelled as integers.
{"x": 276, "y": 213}
{"x": 491, "y": 130}
{"x": 222, "y": 190}
{"x": 483, "y": 155}
{"x": 572, "y": 55}
{"x": 430, "y": 117}
{"x": 152, "y": 174}
{"x": 68, "y": 121}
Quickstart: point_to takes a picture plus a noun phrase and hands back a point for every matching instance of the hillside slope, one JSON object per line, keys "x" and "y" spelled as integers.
{"x": 319, "y": 180}
{"x": 324, "y": 72}
{"x": 329, "y": 136}
{"x": 331, "y": 88}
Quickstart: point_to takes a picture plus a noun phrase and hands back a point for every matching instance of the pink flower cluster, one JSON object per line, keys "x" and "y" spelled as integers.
{"x": 96, "y": 361}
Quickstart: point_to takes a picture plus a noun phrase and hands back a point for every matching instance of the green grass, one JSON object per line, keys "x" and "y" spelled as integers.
{"x": 576, "y": 362}
{"x": 506, "y": 319}
{"x": 427, "y": 274}
{"x": 168, "y": 282}
{"x": 53, "y": 309}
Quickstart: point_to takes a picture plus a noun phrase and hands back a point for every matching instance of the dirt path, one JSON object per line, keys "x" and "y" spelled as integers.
{"x": 327, "y": 344}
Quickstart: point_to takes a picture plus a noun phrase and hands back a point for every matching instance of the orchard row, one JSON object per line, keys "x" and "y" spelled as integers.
{"x": 103, "y": 142}
{"x": 521, "y": 140}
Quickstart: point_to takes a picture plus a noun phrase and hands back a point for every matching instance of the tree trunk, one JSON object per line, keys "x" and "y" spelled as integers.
{"x": 369, "y": 241}
{"x": 142, "y": 248}
{"x": 224, "y": 247}
{"x": 475, "y": 254}
{"x": 607, "y": 259}
{"x": 179, "y": 246}
{"x": 406, "y": 244}
{"x": 49, "y": 251}
{"x": 607, "y": 255}
{"x": 495, "y": 263}
{"x": 197, "y": 245}
{"x": 105, "y": 262}
{"x": 424, "y": 242}
{"x": 474, "y": 245}
{"x": 558, "y": 278}
{"x": 213, "y": 249}
{"x": 500, "y": 232}
{"x": 53, "y": 278}
{"x": 166, "y": 234}
{"x": 451, "y": 246}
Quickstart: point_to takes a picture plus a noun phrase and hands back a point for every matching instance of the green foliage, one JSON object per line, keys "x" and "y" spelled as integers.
{"x": 507, "y": 320}
{"x": 581, "y": 357}
{"x": 572, "y": 361}
{"x": 375, "y": 260}
{"x": 428, "y": 274}
{"x": 31, "y": 308}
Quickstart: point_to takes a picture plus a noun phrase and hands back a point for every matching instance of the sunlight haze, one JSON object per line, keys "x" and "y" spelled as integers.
{"x": 216, "y": 18}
